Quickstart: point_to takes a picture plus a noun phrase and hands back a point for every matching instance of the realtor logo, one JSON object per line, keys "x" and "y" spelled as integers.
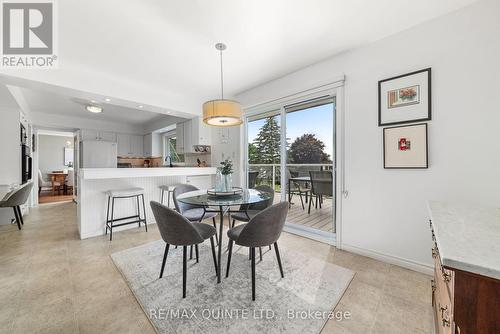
{"x": 28, "y": 34}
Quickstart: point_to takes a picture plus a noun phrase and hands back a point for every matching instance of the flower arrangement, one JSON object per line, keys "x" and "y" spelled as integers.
{"x": 407, "y": 94}
{"x": 226, "y": 167}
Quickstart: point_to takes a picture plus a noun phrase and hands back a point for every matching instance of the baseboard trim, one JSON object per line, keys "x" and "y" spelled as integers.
{"x": 395, "y": 260}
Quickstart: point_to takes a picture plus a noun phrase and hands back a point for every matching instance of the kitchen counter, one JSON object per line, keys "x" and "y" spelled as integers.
{"x": 468, "y": 237}
{"x": 117, "y": 173}
{"x": 94, "y": 182}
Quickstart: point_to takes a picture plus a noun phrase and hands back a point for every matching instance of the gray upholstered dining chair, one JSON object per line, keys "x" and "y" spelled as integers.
{"x": 247, "y": 212}
{"x": 264, "y": 229}
{"x": 176, "y": 230}
{"x": 191, "y": 212}
{"x": 321, "y": 185}
{"x": 15, "y": 199}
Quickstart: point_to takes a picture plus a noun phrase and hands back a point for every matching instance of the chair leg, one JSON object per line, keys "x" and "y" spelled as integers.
{"x": 279, "y": 259}
{"x": 252, "y": 253}
{"x": 316, "y": 201}
{"x": 234, "y": 222}
{"x": 301, "y": 200}
{"x": 184, "y": 270}
{"x": 107, "y": 216}
{"x": 215, "y": 225}
{"x": 213, "y": 254}
{"x": 144, "y": 212}
{"x": 197, "y": 254}
{"x": 164, "y": 260}
{"x": 20, "y": 213}
{"x": 260, "y": 253}
{"x": 310, "y": 202}
{"x": 138, "y": 211}
{"x": 162, "y": 192}
{"x": 320, "y": 201}
{"x": 229, "y": 252}
{"x": 191, "y": 252}
{"x": 17, "y": 217}
{"x": 112, "y": 217}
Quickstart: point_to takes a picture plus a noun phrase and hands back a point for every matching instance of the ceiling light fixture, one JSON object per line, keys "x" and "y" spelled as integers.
{"x": 222, "y": 112}
{"x": 94, "y": 109}
{"x": 107, "y": 99}
{"x": 140, "y": 107}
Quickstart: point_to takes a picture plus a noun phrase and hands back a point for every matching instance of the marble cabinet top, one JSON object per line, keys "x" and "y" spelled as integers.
{"x": 467, "y": 236}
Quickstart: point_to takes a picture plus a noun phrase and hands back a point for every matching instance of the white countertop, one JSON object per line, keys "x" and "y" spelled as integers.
{"x": 468, "y": 237}
{"x": 118, "y": 173}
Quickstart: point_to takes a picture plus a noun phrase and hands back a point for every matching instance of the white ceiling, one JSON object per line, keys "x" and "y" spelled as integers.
{"x": 161, "y": 52}
{"x": 50, "y": 103}
{"x": 171, "y": 43}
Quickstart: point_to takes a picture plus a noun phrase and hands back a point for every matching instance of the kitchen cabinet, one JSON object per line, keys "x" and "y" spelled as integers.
{"x": 130, "y": 145}
{"x": 89, "y": 134}
{"x": 152, "y": 145}
{"x": 137, "y": 145}
{"x": 192, "y": 132}
{"x": 179, "y": 134}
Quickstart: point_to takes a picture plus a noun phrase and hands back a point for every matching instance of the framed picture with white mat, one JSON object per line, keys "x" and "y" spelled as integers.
{"x": 406, "y": 147}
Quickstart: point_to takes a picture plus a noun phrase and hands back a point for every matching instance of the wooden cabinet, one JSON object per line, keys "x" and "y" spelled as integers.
{"x": 89, "y": 134}
{"x": 130, "y": 145}
{"x": 463, "y": 302}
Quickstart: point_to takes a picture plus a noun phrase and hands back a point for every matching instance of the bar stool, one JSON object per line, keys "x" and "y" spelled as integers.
{"x": 15, "y": 199}
{"x": 170, "y": 190}
{"x": 121, "y": 194}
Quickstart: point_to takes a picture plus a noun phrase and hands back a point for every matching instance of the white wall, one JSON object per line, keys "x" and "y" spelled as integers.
{"x": 51, "y": 153}
{"x": 10, "y": 151}
{"x": 385, "y": 213}
{"x": 227, "y": 149}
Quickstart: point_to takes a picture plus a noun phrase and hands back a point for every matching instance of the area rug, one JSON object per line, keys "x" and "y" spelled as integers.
{"x": 301, "y": 302}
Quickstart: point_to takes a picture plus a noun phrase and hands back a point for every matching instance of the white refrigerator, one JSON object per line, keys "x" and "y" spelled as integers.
{"x": 98, "y": 154}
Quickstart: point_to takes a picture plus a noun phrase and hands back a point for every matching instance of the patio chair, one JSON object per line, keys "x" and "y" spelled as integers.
{"x": 298, "y": 188}
{"x": 321, "y": 185}
{"x": 252, "y": 179}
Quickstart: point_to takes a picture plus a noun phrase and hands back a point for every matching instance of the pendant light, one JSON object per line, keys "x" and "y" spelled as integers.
{"x": 222, "y": 112}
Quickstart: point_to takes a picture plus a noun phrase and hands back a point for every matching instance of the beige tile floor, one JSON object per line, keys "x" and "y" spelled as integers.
{"x": 52, "y": 282}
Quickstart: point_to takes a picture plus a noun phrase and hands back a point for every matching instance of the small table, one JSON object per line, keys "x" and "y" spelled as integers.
{"x": 201, "y": 198}
{"x": 58, "y": 177}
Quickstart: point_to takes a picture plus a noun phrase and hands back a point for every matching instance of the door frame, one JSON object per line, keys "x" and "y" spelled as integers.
{"x": 334, "y": 89}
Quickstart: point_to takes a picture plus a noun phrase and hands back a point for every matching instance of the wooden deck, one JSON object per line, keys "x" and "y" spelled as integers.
{"x": 318, "y": 218}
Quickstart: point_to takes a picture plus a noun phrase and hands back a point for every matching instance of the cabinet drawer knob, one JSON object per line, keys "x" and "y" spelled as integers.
{"x": 434, "y": 252}
{"x": 446, "y": 276}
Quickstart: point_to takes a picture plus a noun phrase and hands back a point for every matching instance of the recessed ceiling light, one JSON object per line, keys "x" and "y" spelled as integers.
{"x": 140, "y": 106}
{"x": 93, "y": 101}
{"x": 107, "y": 99}
{"x": 94, "y": 109}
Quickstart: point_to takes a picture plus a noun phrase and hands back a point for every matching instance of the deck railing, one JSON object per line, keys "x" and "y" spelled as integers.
{"x": 270, "y": 174}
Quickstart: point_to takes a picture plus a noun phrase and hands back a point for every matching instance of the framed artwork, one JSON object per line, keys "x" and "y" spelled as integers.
{"x": 405, "y": 98}
{"x": 406, "y": 147}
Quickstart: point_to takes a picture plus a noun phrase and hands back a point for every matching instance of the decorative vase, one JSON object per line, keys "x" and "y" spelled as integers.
{"x": 227, "y": 182}
{"x": 218, "y": 180}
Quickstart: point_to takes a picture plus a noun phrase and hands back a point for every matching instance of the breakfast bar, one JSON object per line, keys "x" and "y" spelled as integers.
{"x": 93, "y": 183}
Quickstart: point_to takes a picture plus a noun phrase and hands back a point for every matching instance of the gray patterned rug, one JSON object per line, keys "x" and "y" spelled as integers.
{"x": 301, "y": 303}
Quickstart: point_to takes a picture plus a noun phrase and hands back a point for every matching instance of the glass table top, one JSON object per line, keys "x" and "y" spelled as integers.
{"x": 201, "y": 198}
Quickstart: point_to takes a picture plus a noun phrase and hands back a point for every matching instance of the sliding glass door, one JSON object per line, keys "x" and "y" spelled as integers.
{"x": 292, "y": 149}
{"x": 264, "y": 150}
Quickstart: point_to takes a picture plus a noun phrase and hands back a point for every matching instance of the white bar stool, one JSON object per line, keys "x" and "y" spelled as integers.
{"x": 120, "y": 194}
{"x": 170, "y": 190}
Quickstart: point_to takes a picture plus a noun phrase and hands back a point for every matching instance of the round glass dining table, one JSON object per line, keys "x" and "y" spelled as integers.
{"x": 222, "y": 204}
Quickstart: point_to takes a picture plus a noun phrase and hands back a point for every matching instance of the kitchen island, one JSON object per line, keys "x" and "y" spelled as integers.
{"x": 94, "y": 182}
